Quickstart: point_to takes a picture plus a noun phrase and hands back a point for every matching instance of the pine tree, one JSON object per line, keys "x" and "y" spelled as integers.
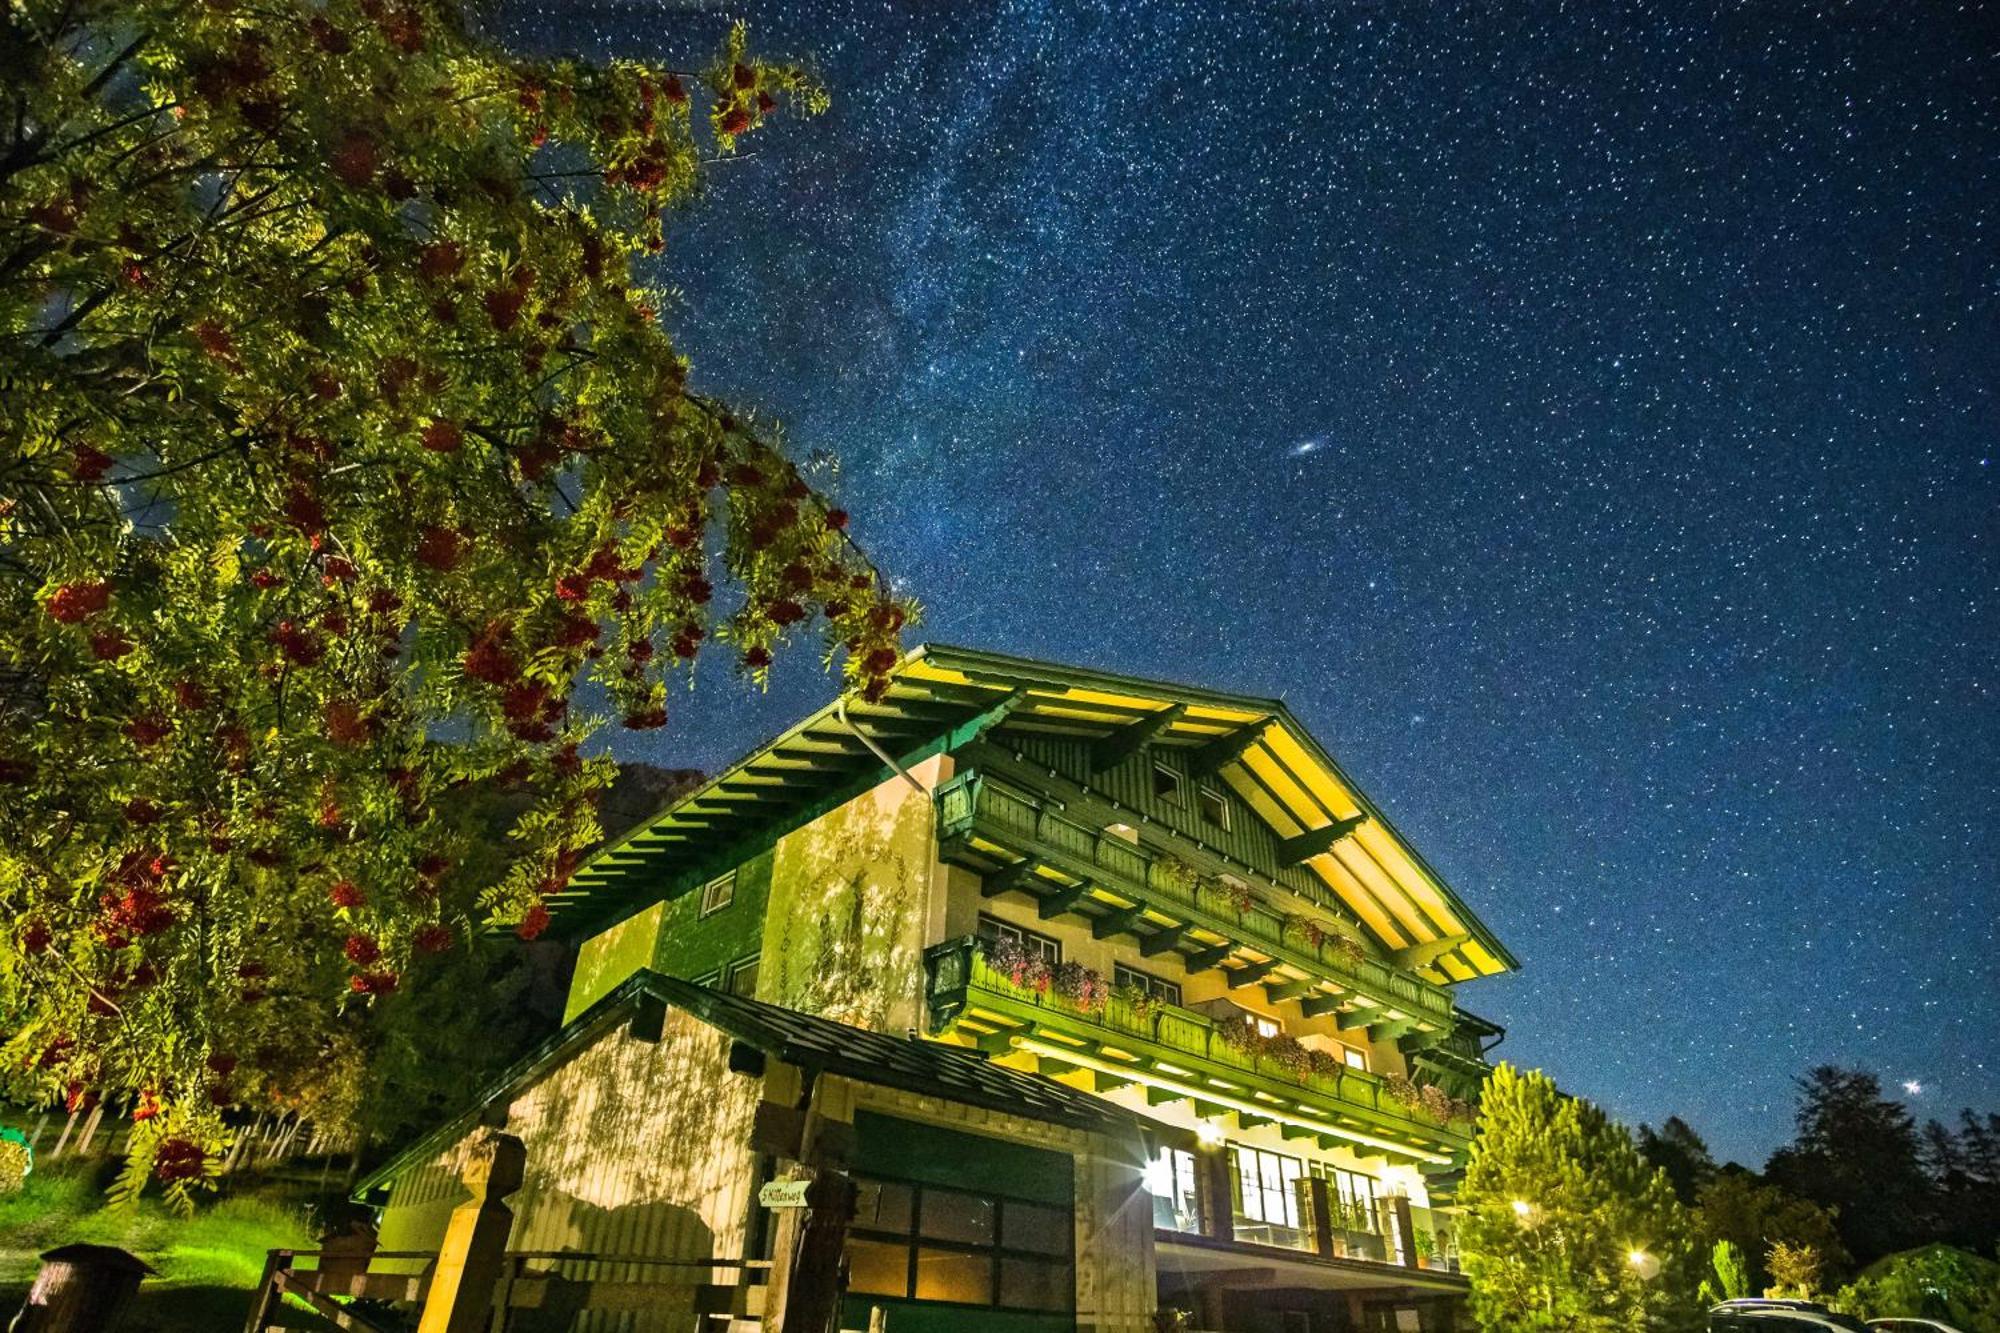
{"x": 1565, "y": 1226}
{"x": 1857, "y": 1154}
{"x": 1676, "y": 1149}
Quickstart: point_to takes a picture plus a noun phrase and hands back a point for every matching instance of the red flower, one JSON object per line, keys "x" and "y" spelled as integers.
{"x": 346, "y": 893}
{"x": 837, "y": 519}
{"x": 744, "y": 76}
{"x": 251, "y": 971}
{"x": 439, "y": 260}
{"x": 147, "y": 730}
{"x": 503, "y": 306}
{"x": 443, "y": 437}
{"x": 325, "y": 385}
{"x": 646, "y": 719}
{"x": 356, "y": 159}
{"x": 344, "y": 724}
{"x": 76, "y": 602}
{"x": 148, "y": 1107}
{"x": 573, "y": 587}
{"x": 139, "y": 810}
{"x": 757, "y": 658}
{"x": 362, "y": 950}
{"x": 765, "y": 101}
{"x": 78, "y": 1098}
{"x": 36, "y": 937}
{"x": 533, "y": 922}
{"x": 179, "y": 1159}
{"x": 88, "y": 464}
{"x": 215, "y": 340}
{"x": 439, "y": 547}
{"x": 575, "y": 631}
{"x": 489, "y": 660}
{"x": 337, "y": 569}
{"x": 190, "y": 696}
{"x": 640, "y": 650}
{"x": 737, "y": 121}
{"x": 879, "y": 661}
{"x": 304, "y": 511}
{"x": 109, "y": 646}
{"x": 432, "y": 939}
{"x": 221, "y": 1065}
{"x": 264, "y": 578}
{"x": 330, "y": 39}
{"x": 787, "y": 612}
{"x": 302, "y": 647}
{"x": 673, "y": 90}
{"x": 372, "y": 983}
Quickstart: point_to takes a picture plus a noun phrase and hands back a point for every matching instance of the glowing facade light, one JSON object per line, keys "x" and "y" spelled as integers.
{"x": 1522, "y": 1208}
{"x": 1208, "y": 1132}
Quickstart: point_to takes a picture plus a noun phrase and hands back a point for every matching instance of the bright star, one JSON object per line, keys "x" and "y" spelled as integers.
{"x": 1913, "y": 1086}
{"x": 1304, "y": 447}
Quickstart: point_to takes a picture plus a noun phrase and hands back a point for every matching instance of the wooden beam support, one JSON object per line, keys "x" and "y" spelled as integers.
{"x": 1240, "y": 977}
{"x": 1225, "y": 750}
{"x": 1423, "y": 955}
{"x": 1391, "y": 1029}
{"x": 1317, "y": 1006}
{"x": 1103, "y": 1082}
{"x": 1294, "y": 851}
{"x": 1203, "y": 959}
{"x": 1289, "y": 990}
{"x": 1248, "y": 1121}
{"x": 1062, "y": 900}
{"x": 1158, "y": 1096}
{"x": 1413, "y": 1042}
{"x": 1118, "y": 921}
{"x": 1349, "y": 1020}
{"x": 1292, "y": 1131}
{"x": 1129, "y": 739}
{"x": 1160, "y": 941}
{"x": 1014, "y": 877}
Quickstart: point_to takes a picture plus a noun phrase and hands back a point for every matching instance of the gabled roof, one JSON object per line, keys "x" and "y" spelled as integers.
{"x": 934, "y": 1069}
{"x": 940, "y": 697}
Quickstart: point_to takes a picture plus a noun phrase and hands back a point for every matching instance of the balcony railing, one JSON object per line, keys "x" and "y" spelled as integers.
{"x": 960, "y": 976}
{"x": 972, "y": 802}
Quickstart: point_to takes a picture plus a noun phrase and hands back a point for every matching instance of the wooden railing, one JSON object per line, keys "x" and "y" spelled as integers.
{"x": 1138, "y": 872}
{"x": 958, "y": 968}
{"x": 558, "y": 1284}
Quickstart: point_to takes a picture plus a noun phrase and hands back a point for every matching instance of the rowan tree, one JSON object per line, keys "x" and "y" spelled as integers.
{"x": 341, "y": 452}
{"x": 1564, "y": 1225}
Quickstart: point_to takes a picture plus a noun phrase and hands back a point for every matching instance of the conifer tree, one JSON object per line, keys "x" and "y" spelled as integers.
{"x": 1565, "y": 1226}
{"x": 341, "y": 450}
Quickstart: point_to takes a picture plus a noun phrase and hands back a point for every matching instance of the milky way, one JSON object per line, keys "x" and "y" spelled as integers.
{"x": 1583, "y": 415}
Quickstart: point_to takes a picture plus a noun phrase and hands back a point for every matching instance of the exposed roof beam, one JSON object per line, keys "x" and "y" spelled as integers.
{"x": 1289, "y": 990}
{"x": 1127, "y": 741}
{"x": 1118, "y": 921}
{"x": 1423, "y": 955}
{"x": 1160, "y": 941}
{"x": 1022, "y": 877}
{"x": 1062, "y": 900}
{"x": 1292, "y": 851}
{"x": 1240, "y": 977}
{"x": 1204, "y": 959}
{"x": 1225, "y": 750}
{"x": 1315, "y": 1006}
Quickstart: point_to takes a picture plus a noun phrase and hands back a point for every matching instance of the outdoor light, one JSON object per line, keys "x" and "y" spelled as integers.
{"x": 1208, "y": 1132}
{"x": 1635, "y": 1257}
{"x": 1644, "y": 1264}
{"x": 1522, "y": 1208}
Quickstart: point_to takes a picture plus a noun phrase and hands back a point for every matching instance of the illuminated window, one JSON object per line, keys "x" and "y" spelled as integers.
{"x": 1166, "y": 784}
{"x": 1131, "y": 978}
{"x": 1266, "y": 1027}
{"x": 1268, "y": 1191}
{"x": 960, "y": 1247}
{"x": 993, "y": 930}
{"x": 1214, "y": 808}
{"x": 1170, "y": 1180}
{"x": 1356, "y": 1059}
{"x": 1353, "y": 1198}
{"x": 718, "y": 893}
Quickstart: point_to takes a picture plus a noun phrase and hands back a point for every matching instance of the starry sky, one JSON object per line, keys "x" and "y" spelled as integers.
{"x": 1582, "y": 414}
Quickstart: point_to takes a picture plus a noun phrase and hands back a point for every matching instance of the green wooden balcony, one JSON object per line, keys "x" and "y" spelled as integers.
{"x": 1018, "y": 842}
{"x": 1175, "y": 1054}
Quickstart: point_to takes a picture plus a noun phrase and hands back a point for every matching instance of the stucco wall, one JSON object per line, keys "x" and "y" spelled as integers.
{"x": 633, "y": 1147}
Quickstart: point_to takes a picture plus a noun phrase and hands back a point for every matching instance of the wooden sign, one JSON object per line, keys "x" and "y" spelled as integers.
{"x": 784, "y": 1194}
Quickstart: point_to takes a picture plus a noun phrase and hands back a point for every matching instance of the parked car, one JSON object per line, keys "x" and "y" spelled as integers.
{"x": 1769, "y": 1316}
{"x": 1911, "y": 1326}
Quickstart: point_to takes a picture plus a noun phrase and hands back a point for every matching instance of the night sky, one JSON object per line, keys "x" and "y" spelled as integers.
{"x": 1583, "y": 415}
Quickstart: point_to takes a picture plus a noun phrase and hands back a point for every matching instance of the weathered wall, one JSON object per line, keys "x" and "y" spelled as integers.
{"x": 849, "y": 902}
{"x": 633, "y": 1148}
{"x": 605, "y": 960}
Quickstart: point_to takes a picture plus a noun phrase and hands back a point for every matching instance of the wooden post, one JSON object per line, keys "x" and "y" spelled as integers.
{"x": 81, "y": 1289}
{"x": 808, "y": 1256}
{"x": 68, "y": 1125}
{"x": 1322, "y": 1216}
{"x": 90, "y": 1129}
{"x": 1211, "y": 1184}
{"x": 264, "y": 1303}
{"x": 1406, "y": 1231}
{"x": 474, "y": 1250}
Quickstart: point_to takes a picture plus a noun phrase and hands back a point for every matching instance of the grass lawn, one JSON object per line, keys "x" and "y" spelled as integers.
{"x": 206, "y": 1264}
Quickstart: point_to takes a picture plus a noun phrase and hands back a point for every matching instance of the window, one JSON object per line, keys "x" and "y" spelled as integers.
{"x": 1214, "y": 808}
{"x": 1268, "y": 1191}
{"x": 993, "y": 930}
{"x": 962, "y": 1247}
{"x": 709, "y": 979}
{"x": 743, "y": 976}
{"x": 1353, "y": 1198}
{"x": 1356, "y": 1059}
{"x": 1170, "y": 1180}
{"x": 718, "y": 893}
{"x": 1166, "y": 992}
{"x": 1264, "y": 1027}
{"x": 1166, "y": 784}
